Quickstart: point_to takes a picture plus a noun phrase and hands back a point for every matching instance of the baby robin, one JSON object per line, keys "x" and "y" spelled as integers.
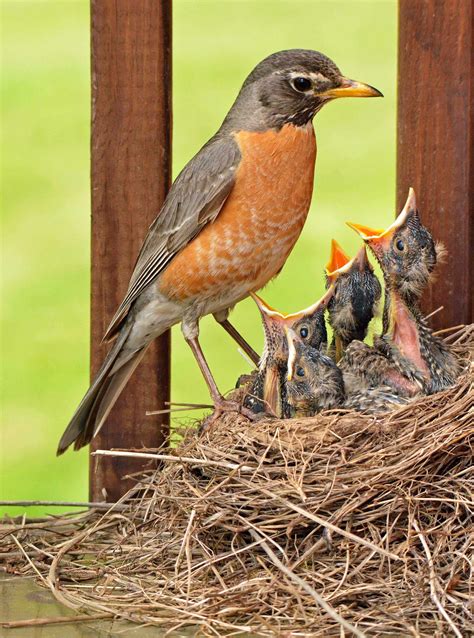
{"x": 267, "y": 392}
{"x": 357, "y": 292}
{"x": 407, "y": 355}
{"x": 314, "y": 382}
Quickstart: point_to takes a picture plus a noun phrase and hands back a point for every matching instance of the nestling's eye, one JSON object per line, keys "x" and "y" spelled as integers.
{"x": 400, "y": 246}
{"x": 304, "y": 332}
{"x": 300, "y": 372}
{"x": 301, "y": 84}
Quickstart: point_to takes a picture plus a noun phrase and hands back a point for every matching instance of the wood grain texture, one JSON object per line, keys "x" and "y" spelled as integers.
{"x": 131, "y": 157}
{"x": 436, "y": 139}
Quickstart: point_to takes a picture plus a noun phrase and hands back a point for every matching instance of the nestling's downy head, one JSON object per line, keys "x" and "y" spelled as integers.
{"x": 314, "y": 382}
{"x": 356, "y": 293}
{"x": 405, "y": 250}
{"x": 309, "y": 324}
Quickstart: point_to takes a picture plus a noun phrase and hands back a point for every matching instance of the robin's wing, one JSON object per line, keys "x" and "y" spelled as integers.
{"x": 194, "y": 200}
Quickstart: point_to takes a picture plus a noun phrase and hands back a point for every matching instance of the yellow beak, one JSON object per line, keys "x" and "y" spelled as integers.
{"x": 351, "y": 88}
{"x": 269, "y": 314}
{"x": 337, "y": 259}
{"x": 366, "y": 232}
{"x": 372, "y": 235}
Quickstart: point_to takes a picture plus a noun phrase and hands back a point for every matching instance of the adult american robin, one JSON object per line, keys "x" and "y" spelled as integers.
{"x": 267, "y": 392}
{"x": 418, "y": 360}
{"x": 227, "y": 226}
{"x": 356, "y": 294}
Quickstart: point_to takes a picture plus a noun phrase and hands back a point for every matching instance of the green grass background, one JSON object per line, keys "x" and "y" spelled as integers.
{"x": 46, "y": 205}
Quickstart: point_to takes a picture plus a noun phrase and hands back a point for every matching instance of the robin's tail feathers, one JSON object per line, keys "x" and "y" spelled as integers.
{"x": 101, "y": 396}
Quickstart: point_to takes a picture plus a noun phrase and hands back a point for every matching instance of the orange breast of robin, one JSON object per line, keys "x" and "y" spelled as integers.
{"x": 259, "y": 224}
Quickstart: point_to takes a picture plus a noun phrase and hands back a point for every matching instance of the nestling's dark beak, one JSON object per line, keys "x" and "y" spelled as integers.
{"x": 352, "y": 88}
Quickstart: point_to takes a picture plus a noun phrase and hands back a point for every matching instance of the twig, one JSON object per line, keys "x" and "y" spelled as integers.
{"x": 98, "y": 506}
{"x": 172, "y": 410}
{"x": 434, "y": 312}
{"x": 246, "y": 357}
{"x": 434, "y": 595}
{"x": 451, "y": 329}
{"x": 307, "y": 588}
{"x": 30, "y": 562}
{"x": 181, "y": 407}
{"x": 57, "y": 620}
{"x": 331, "y": 526}
{"x": 174, "y": 459}
{"x": 189, "y": 405}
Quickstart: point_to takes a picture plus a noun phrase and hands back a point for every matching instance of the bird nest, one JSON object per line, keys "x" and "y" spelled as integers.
{"x": 326, "y": 526}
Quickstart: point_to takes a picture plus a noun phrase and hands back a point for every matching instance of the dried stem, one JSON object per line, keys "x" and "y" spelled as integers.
{"x": 58, "y": 620}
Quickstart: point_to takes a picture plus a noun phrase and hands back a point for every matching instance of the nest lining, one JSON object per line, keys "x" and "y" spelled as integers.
{"x": 325, "y": 526}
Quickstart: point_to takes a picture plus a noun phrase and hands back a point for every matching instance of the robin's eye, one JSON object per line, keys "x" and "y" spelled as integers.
{"x": 301, "y": 84}
{"x": 303, "y": 332}
{"x": 300, "y": 372}
{"x": 400, "y": 245}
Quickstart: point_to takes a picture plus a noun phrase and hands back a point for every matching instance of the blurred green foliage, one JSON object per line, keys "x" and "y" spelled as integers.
{"x": 46, "y": 203}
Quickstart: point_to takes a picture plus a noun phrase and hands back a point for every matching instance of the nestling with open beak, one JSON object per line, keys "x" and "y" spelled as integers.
{"x": 418, "y": 360}
{"x": 357, "y": 292}
{"x": 267, "y": 392}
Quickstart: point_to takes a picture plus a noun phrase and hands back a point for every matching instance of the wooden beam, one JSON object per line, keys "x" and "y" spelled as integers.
{"x": 436, "y": 139}
{"x": 131, "y": 171}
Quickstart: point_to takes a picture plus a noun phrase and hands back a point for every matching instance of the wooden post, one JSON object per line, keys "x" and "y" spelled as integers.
{"x": 131, "y": 157}
{"x": 436, "y": 139}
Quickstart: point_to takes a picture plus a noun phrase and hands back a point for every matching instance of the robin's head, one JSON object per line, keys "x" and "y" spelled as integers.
{"x": 289, "y": 87}
{"x": 356, "y": 293}
{"x": 405, "y": 250}
{"x": 314, "y": 381}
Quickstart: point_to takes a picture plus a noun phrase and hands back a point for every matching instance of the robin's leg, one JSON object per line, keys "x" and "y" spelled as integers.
{"x": 220, "y": 403}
